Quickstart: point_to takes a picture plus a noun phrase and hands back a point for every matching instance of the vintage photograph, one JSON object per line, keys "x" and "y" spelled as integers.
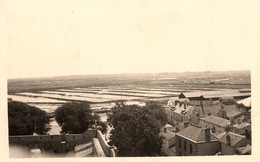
{"x": 129, "y": 79}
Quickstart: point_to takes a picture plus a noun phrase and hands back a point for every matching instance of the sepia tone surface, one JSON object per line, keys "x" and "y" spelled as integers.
{"x": 82, "y": 38}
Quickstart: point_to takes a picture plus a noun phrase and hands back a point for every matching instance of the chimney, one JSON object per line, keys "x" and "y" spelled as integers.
{"x": 177, "y": 129}
{"x": 186, "y": 124}
{"x": 197, "y": 114}
{"x": 213, "y": 129}
{"x": 210, "y": 102}
{"x": 222, "y": 106}
{"x": 239, "y": 121}
{"x": 247, "y": 134}
{"x": 207, "y": 134}
{"x": 202, "y": 107}
{"x": 228, "y": 139}
{"x": 176, "y": 102}
{"x": 227, "y": 128}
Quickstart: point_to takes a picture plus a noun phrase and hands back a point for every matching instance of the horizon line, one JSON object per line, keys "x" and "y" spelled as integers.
{"x": 57, "y": 76}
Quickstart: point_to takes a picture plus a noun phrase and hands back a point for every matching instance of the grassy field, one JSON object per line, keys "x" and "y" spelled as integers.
{"x": 182, "y": 81}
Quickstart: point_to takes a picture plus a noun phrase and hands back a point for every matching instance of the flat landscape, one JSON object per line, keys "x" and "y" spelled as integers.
{"x": 102, "y": 91}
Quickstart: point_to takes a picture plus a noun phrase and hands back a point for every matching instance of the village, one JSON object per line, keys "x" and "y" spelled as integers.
{"x": 213, "y": 122}
{"x": 208, "y": 125}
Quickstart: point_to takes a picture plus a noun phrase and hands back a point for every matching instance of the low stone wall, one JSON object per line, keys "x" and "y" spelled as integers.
{"x": 56, "y": 143}
{"x": 63, "y": 143}
{"x": 110, "y": 151}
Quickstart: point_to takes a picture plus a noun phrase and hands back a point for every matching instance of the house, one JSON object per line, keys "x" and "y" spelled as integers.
{"x": 217, "y": 124}
{"x": 193, "y": 140}
{"x": 246, "y": 150}
{"x": 179, "y": 111}
{"x": 229, "y": 112}
{"x": 227, "y": 100}
{"x": 230, "y": 141}
{"x": 191, "y": 96}
{"x": 168, "y": 140}
{"x": 242, "y": 127}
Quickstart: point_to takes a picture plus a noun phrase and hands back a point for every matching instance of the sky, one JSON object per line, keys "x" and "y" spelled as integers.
{"x": 53, "y": 38}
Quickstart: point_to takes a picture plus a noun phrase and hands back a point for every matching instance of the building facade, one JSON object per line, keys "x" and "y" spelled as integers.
{"x": 215, "y": 123}
{"x": 196, "y": 141}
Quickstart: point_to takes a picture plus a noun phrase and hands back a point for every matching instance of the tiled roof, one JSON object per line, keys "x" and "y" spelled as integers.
{"x": 168, "y": 135}
{"x": 245, "y": 149}
{"x": 214, "y": 109}
{"x": 219, "y": 93}
{"x": 180, "y": 107}
{"x": 233, "y": 113}
{"x": 216, "y": 120}
{"x": 242, "y": 125}
{"x": 234, "y": 138}
{"x": 195, "y": 134}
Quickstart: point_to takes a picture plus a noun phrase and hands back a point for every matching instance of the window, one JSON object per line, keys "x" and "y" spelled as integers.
{"x": 190, "y": 148}
{"x": 185, "y": 147}
{"x": 179, "y": 143}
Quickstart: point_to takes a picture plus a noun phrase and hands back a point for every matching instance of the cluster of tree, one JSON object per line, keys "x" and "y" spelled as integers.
{"x": 77, "y": 117}
{"x": 136, "y": 129}
{"x": 24, "y": 119}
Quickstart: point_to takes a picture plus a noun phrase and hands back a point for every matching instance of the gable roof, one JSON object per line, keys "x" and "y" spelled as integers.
{"x": 234, "y": 138}
{"x": 242, "y": 125}
{"x": 179, "y": 108}
{"x": 167, "y": 135}
{"x": 233, "y": 113}
{"x": 245, "y": 149}
{"x": 216, "y": 120}
{"x": 194, "y": 134}
{"x": 231, "y": 109}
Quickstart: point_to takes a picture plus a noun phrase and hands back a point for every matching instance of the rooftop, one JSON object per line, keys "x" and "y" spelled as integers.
{"x": 216, "y": 120}
{"x": 195, "y": 134}
{"x": 214, "y": 94}
{"x": 234, "y": 138}
{"x": 242, "y": 125}
{"x": 244, "y": 150}
{"x": 168, "y": 135}
{"x": 179, "y": 108}
{"x": 233, "y": 113}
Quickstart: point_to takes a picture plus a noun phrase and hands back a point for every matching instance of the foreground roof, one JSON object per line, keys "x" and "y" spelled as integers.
{"x": 194, "y": 134}
{"x": 216, "y": 120}
{"x": 244, "y": 150}
{"x": 234, "y": 138}
{"x": 242, "y": 125}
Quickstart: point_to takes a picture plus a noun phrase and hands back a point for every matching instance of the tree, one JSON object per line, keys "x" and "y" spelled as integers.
{"x": 76, "y": 118}
{"x": 136, "y": 129}
{"x": 24, "y": 119}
